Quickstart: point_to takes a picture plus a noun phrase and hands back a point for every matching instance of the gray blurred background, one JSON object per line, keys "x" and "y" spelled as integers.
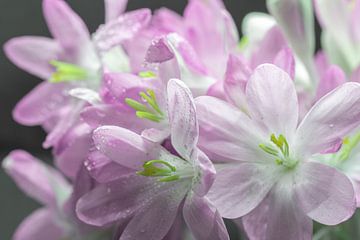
{"x": 24, "y": 17}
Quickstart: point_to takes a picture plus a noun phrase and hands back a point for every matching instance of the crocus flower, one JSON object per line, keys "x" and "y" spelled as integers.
{"x": 162, "y": 184}
{"x": 268, "y": 176}
{"x": 68, "y": 61}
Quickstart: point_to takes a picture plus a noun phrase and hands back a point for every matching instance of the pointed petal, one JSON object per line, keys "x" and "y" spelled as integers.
{"x": 272, "y": 100}
{"x": 39, "y": 105}
{"x": 114, "y": 9}
{"x": 182, "y": 115}
{"x": 33, "y": 54}
{"x": 253, "y": 182}
{"x": 286, "y": 61}
{"x": 226, "y": 135}
{"x": 332, "y": 78}
{"x": 65, "y": 25}
{"x": 324, "y": 194}
{"x": 40, "y": 225}
{"x": 294, "y": 224}
{"x": 332, "y": 117}
{"x": 120, "y": 29}
{"x": 237, "y": 74}
{"x": 36, "y": 179}
{"x": 203, "y": 219}
{"x": 124, "y": 146}
{"x": 155, "y": 219}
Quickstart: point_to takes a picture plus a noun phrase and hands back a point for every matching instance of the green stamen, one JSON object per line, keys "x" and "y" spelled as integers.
{"x": 244, "y": 42}
{"x": 167, "y": 171}
{"x": 282, "y": 154}
{"x": 66, "y": 72}
{"x": 147, "y": 74}
{"x": 349, "y": 143}
{"x": 151, "y": 110}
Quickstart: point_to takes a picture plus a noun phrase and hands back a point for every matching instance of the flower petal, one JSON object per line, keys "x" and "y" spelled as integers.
{"x": 286, "y": 61}
{"x": 124, "y": 146}
{"x": 332, "y": 78}
{"x": 40, "y": 225}
{"x": 262, "y": 222}
{"x": 203, "y": 219}
{"x": 40, "y": 104}
{"x": 36, "y": 179}
{"x": 272, "y": 100}
{"x": 226, "y": 135}
{"x": 114, "y": 9}
{"x": 33, "y": 54}
{"x": 332, "y": 117}
{"x": 324, "y": 194}
{"x": 65, "y": 25}
{"x": 182, "y": 117}
{"x": 206, "y": 171}
{"x": 155, "y": 219}
{"x": 238, "y": 189}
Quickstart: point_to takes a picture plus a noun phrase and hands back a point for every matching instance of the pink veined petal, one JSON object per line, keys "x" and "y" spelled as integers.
{"x": 121, "y": 199}
{"x": 103, "y": 169}
{"x": 203, "y": 219}
{"x": 124, "y": 146}
{"x": 269, "y": 47}
{"x": 155, "y": 219}
{"x": 332, "y": 78}
{"x": 334, "y": 116}
{"x": 229, "y": 134}
{"x": 65, "y": 25}
{"x": 33, "y": 54}
{"x": 168, "y": 21}
{"x": 73, "y": 149}
{"x": 286, "y": 61}
{"x": 206, "y": 171}
{"x": 176, "y": 232}
{"x": 36, "y": 179}
{"x": 122, "y": 28}
{"x": 40, "y": 225}
{"x": 277, "y": 217}
{"x": 40, "y": 104}
{"x": 272, "y": 100}
{"x": 114, "y": 9}
{"x": 236, "y": 77}
{"x": 182, "y": 117}
{"x": 238, "y": 189}
{"x": 325, "y": 194}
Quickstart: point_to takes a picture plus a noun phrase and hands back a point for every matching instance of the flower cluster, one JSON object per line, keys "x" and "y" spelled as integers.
{"x": 162, "y": 125}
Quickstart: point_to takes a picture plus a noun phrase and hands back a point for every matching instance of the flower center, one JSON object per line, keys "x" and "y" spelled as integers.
{"x": 66, "y": 72}
{"x": 149, "y": 109}
{"x": 279, "y": 148}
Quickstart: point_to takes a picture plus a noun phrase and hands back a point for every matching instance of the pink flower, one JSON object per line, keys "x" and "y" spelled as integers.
{"x": 268, "y": 176}
{"x": 151, "y": 196}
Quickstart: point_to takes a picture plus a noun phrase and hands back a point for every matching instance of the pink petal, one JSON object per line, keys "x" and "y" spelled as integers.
{"x": 272, "y": 100}
{"x": 114, "y": 9}
{"x": 40, "y": 104}
{"x": 206, "y": 171}
{"x": 332, "y": 78}
{"x": 124, "y": 146}
{"x": 182, "y": 117}
{"x": 154, "y": 220}
{"x": 168, "y": 21}
{"x": 239, "y": 189}
{"x": 103, "y": 169}
{"x": 286, "y": 61}
{"x": 237, "y": 74}
{"x": 226, "y": 135}
{"x": 36, "y": 179}
{"x": 324, "y": 194}
{"x": 332, "y": 117}
{"x": 65, "y": 25}
{"x": 277, "y": 217}
{"x": 203, "y": 219}
{"x": 120, "y": 29}
{"x": 40, "y": 225}
{"x": 33, "y": 54}
{"x": 269, "y": 47}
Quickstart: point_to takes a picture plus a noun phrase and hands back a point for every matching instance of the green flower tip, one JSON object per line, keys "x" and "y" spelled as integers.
{"x": 147, "y": 74}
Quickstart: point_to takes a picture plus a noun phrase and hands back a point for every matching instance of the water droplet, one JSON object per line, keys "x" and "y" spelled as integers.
{"x": 331, "y": 125}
